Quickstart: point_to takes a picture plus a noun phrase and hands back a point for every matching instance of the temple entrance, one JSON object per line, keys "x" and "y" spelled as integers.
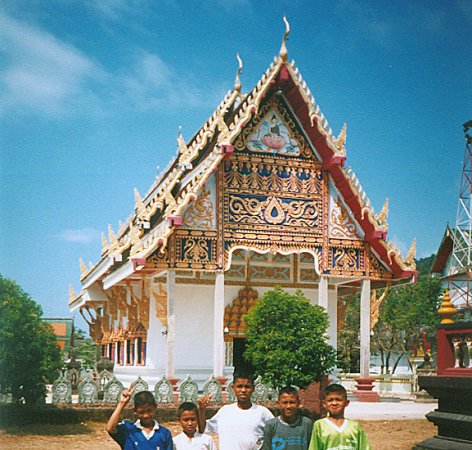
{"x": 240, "y": 363}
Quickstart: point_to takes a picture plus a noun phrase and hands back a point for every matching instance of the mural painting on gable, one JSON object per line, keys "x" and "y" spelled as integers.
{"x": 274, "y": 131}
{"x": 272, "y": 136}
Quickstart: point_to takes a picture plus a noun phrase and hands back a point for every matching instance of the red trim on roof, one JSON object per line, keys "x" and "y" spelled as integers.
{"x": 333, "y": 163}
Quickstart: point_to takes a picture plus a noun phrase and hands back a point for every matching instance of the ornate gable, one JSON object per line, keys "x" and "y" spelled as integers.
{"x": 272, "y": 187}
{"x": 273, "y": 157}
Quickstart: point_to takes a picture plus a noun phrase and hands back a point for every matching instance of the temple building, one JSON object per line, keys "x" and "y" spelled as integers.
{"x": 63, "y": 329}
{"x": 259, "y": 197}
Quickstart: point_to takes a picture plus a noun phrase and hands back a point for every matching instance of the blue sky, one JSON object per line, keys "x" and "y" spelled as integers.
{"x": 92, "y": 94}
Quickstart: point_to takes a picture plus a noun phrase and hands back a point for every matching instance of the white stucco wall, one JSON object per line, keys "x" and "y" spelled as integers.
{"x": 193, "y": 329}
{"x": 193, "y": 353}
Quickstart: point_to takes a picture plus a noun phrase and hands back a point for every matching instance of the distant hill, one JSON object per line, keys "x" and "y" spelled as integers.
{"x": 424, "y": 265}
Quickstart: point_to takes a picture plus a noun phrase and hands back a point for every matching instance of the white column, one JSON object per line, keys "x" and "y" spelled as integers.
{"x": 218, "y": 318}
{"x": 323, "y": 292}
{"x": 365, "y": 328}
{"x": 170, "y": 341}
{"x": 333, "y": 316}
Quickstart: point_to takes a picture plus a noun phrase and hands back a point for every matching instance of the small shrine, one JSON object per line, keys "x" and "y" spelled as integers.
{"x": 260, "y": 196}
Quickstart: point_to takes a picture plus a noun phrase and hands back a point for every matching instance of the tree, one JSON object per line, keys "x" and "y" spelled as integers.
{"x": 406, "y": 312}
{"x": 349, "y": 349}
{"x": 424, "y": 265}
{"x": 29, "y": 355}
{"x": 83, "y": 349}
{"x": 287, "y": 341}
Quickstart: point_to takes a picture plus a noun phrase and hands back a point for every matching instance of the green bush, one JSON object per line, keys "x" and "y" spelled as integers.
{"x": 287, "y": 340}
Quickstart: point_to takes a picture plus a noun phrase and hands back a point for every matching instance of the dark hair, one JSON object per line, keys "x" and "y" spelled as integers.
{"x": 241, "y": 374}
{"x": 187, "y": 406}
{"x": 289, "y": 390}
{"x": 144, "y": 398}
{"x": 335, "y": 388}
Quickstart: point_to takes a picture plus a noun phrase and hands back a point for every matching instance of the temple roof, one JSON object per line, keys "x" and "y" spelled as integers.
{"x": 158, "y": 213}
{"x": 444, "y": 251}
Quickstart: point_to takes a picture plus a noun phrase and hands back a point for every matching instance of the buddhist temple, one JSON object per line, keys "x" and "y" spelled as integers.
{"x": 260, "y": 196}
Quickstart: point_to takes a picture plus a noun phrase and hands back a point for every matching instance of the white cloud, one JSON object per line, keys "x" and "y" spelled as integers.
{"x": 121, "y": 10}
{"x": 41, "y": 72}
{"x": 152, "y": 84}
{"x": 81, "y": 236}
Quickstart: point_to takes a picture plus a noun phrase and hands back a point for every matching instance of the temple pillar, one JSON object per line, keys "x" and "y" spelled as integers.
{"x": 364, "y": 382}
{"x": 333, "y": 316}
{"x": 218, "y": 323}
{"x": 323, "y": 293}
{"x": 170, "y": 341}
{"x": 365, "y": 328}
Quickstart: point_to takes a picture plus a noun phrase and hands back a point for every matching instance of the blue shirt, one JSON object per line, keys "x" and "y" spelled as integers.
{"x": 131, "y": 437}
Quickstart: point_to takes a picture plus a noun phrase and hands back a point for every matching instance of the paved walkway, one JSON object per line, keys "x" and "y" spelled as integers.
{"x": 404, "y": 409}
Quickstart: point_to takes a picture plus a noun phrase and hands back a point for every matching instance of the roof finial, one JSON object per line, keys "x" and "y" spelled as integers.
{"x": 181, "y": 142}
{"x": 283, "y": 48}
{"x": 72, "y": 294}
{"x": 237, "y": 81}
{"x": 410, "y": 256}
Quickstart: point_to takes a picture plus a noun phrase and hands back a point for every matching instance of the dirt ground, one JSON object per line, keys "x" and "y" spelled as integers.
{"x": 385, "y": 435}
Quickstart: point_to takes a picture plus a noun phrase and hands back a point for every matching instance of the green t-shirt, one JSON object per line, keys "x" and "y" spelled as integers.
{"x": 349, "y": 436}
{"x": 280, "y": 435}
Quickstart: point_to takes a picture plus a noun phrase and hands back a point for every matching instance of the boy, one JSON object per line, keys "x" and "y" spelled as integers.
{"x": 190, "y": 438}
{"x": 335, "y": 432}
{"x": 291, "y": 430}
{"x": 145, "y": 433}
{"x": 240, "y": 425}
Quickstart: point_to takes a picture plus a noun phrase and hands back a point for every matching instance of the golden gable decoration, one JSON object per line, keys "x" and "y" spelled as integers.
{"x": 341, "y": 224}
{"x": 200, "y": 215}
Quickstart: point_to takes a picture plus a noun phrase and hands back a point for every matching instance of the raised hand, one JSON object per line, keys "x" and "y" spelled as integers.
{"x": 126, "y": 395}
{"x": 204, "y": 401}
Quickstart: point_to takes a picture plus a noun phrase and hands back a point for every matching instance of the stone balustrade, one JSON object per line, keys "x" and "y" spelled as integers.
{"x": 164, "y": 391}
{"x": 383, "y": 384}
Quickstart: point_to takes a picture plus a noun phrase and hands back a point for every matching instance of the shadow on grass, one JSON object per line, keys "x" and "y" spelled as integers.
{"x": 47, "y": 429}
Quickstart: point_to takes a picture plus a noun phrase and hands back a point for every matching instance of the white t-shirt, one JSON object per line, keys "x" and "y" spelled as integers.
{"x": 239, "y": 429}
{"x": 198, "y": 442}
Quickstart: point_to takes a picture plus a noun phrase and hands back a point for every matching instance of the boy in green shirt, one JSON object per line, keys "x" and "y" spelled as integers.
{"x": 335, "y": 432}
{"x": 290, "y": 430}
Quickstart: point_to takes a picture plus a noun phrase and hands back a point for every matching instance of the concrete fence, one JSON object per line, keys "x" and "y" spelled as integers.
{"x": 383, "y": 384}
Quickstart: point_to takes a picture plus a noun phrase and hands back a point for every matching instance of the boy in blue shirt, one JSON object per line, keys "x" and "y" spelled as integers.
{"x": 145, "y": 433}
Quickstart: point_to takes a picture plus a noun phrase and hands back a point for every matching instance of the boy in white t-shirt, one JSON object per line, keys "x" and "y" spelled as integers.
{"x": 190, "y": 438}
{"x": 240, "y": 426}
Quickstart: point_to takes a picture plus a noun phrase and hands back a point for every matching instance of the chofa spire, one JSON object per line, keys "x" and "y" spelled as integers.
{"x": 283, "y": 53}
{"x": 237, "y": 81}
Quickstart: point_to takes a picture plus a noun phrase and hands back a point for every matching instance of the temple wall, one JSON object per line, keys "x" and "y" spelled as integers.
{"x": 194, "y": 330}
{"x": 156, "y": 341}
{"x": 193, "y": 352}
